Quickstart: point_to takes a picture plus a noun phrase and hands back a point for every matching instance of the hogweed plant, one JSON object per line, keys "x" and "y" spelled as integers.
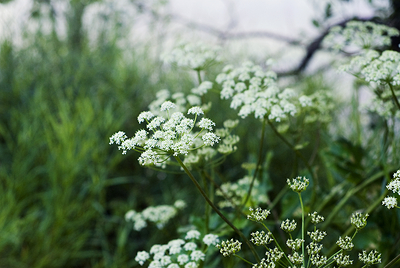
{"x": 295, "y": 253}
{"x": 180, "y": 132}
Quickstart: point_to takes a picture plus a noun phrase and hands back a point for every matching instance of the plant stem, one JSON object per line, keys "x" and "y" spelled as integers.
{"x": 394, "y": 96}
{"x": 302, "y": 229}
{"x": 187, "y": 171}
{"x": 258, "y": 164}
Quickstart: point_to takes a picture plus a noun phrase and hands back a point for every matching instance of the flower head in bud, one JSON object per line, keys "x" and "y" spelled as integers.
{"x": 298, "y": 184}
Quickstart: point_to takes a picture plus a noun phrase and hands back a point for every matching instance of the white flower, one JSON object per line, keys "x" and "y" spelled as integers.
{"x": 202, "y": 88}
{"x": 191, "y": 265}
{"x": 210, "y": 139}
{"x": 190, "y": 246}
{"x": 390, "y": 202}
{"x": 145, "y": 116}
{"x": 210, "y": 239}
{"x": 197, "y": 255}
{"x": 167, "y": 106}
{"x": 155, "y": 264}
{"x": 118, "y": 137}
{"x": 182, "y": 259}
{"x": 192, "y": 234}
{"x": 195, "y": 110}
{"x": 206, "y": 123}
{"x": 141, "y": 257}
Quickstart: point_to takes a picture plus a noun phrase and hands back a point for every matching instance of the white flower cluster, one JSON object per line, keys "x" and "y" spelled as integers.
{"x": 288, "y": 225}
{"x": 177, "y": 253}
{"x": 376, "y": 68}
{"x": 359, "y": 35}
{"x": 258, "y": 214}
{"x": 374, "y": 257}
{"x": 193, "y": 56}
{"x": 346, "y": 243}
{"x": 169, "y": 135}
{"x": 358, "y": 220}
{"x": 394, "y": 186}
{"x": 228, "y": 141}
{"x": 261, "y": 238}
{"x": 256, "y": 91}
{"x": 315, "y": 218}
{"x": 159, "y": 215}
{"x": 298, "y": 184}
{"x": 236, "y": 192}
{"x": 229, "y": 247}
{"x": 343, "y": 260}
{"x": 317, "y": 235}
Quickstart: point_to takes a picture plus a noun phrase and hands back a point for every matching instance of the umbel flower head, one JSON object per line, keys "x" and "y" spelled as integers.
{"x": 298, "y": 184}
{"x": 171, "y": 134}
{"x": 193, "y": 56}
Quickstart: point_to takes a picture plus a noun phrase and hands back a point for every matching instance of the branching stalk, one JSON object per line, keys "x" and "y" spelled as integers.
{"x": 187, "y": 171}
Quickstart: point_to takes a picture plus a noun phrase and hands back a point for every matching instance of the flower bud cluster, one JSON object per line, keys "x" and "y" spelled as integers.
{"x": 258, "y": 214}
{"x": 178, "y": 252}
{"x": 298, "y": 184}
{"x": 229, "y": 247}
{"x": 261, "y": 238}
{"x": 315, "y": 218}
{"x": 374, "y": 257}
{"x": 346, "y": 243}
{"x": 288, "y": 226}
{"x": 358, "y": 220}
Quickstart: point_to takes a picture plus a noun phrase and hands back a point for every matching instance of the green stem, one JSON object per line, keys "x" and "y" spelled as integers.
{"x": 243, "y": 259}
{"x": 390, "y": 264}
{"x": 394, "y": 96}
{"x": 216, "y": 209}
{"x": 199, "y": 76}
{"x": 258, "y": 164}
{"x": 349, "y": 194}
{"x": 302, "y": 229}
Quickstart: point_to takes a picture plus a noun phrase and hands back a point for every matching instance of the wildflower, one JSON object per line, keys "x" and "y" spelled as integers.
{"x": 374, "y": 257}
{"x": 318, "y": 260}
{"x": 229, "y": 247}
{"x": 294, "y": 244}
{"x": 192, "y": 234}
{"x": 296, "y": 258}
{"x": 315, "y": 218}
{"x": 358, "y": 220}
{"x": 314, "y": 248}
{"x": 273, "y": 255}
{"x": 169, "y": 136}
{"x": 345, "y": 243}
{"x": 202, "y": 88}
{"x": 255, "y": 91}
{"x": 190, "y": 246}
{"x": 298, "y": 184}
{"x": 390, "y": 202}
{"x": 210, "y": 239}
{"x": 191, "y": 265}
{"x": 317, "y": 235}
{"x": 258, "y": 215}
{"x": 141, "y": 257}
{"x": 261, "y": 238}
{"x": 192, "y": 56}
{"x": 182, "y": 259}
{"x": 343, "y": 260}
{"x": 288, "y": 226}
{"x": 197, "y": 255}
